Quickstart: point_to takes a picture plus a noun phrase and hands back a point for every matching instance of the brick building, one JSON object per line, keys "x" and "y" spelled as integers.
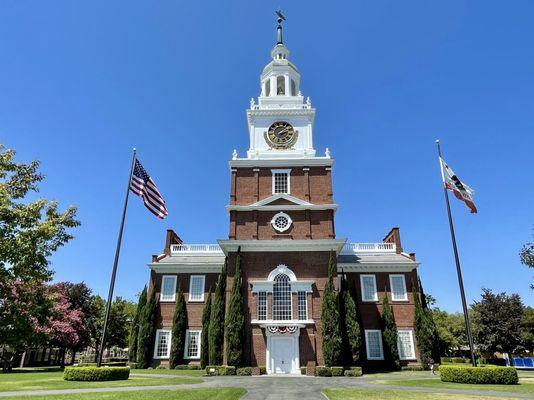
{"x": 281, "y": 214}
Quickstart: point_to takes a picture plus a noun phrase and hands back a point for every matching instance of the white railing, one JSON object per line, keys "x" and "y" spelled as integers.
{"x": 195, "y": 248}
{"x": 350, "y": 248}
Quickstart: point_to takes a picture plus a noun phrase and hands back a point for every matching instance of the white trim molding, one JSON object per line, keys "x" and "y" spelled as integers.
{"x": 405, "y": 292}
{"x": 201, "y": 299}
{"x": 162, "y": 295}
{"x": 286, "y": 172}
{"x": 410, "y": 356}
{"x": 285, "y": 162}
{"x": 288, "y": 222}
{"x": 282, "y": 245}
{"x": 156, "y": 344}
{"x": 362, "y": 288}
{"x": 187, "y": 343}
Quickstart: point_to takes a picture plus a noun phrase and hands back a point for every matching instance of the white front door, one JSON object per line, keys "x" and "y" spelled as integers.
{"x": 282, "y": 349}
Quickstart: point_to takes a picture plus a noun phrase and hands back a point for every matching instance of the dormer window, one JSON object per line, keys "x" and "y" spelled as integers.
{"x": 280, "y": 85}
{"x": 281, "y": 183}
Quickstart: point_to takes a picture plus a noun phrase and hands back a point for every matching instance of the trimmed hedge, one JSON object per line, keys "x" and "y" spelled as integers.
{"x": 191, "y": 367}
{"x": 303, "y": 370}
{"x": 323, "y": 371}
{"x": 245, "y": 371}
{"x": 221, "y": 370}
{"x": 477, "y": 375}
{"x": 357, "y": 371}
{"x": 455, "y": 360}
{"x": 263, "y": 370}
{"x": 96, "y": 373}
{"x": 337, "y": 371}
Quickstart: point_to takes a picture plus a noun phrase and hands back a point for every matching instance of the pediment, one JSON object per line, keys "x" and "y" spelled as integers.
{"x": 281, "y": 199}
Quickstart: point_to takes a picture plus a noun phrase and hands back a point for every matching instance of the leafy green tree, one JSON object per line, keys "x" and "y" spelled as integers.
{"x": 119, "y": 323}
{"x": 497, "y": 322}
{"x": 204, "y": 349}
{"x": 331, "y": 328}
{"x": 147, "y": 330}
{"x": 235, "y": 318}
{"x": 216, "y": 329}
{"x": 527, "y": 257}
{"x": 134, "y": 331}
{"x": 425, "y": 331}
{"x": 451, "y": 331}
{"x": 527, "y": 329}
{"x": 179, "y": 326}
{"x": 349, "y": 325}
{"x": 30, "y": 232}
{"x": 389, "y": 330}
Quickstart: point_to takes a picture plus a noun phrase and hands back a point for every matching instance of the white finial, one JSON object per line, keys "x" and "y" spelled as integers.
{"x": 327, "y": 152}
{"x": 308, "y": 101}
{"x": 234, "y": 155}
{"x": 252, "y": 103}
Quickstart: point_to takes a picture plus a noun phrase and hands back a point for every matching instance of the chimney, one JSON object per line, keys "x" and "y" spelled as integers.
{"x": 394, "y": 237}
{"x": 172, "y": 238}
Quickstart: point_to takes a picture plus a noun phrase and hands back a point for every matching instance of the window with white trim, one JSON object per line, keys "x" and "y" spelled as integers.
{"x": 281, "y": 183}
{"x": 281, "y": 221}
{"x": 168, "y": 288}
{"x": 281, "y": 298}
{"x": 373, "y": 344}
{"x": 302, "y": 306}
{"x": 196, "y": 288}
{"x": 398, "y": 288}
{"x": 405, "y": 344}
{"x": 162, "y": 348}
{"x": 192, "y": 344}
{"x": 262, "y": 306}
{"x": 368, "y": 284}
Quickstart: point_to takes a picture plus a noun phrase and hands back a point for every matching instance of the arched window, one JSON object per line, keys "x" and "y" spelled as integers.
{"x": 280, "y": 85}
{"x": 293, "y": 88}
{"x": 268, "y": 87}
{"x": 281, "y": 298}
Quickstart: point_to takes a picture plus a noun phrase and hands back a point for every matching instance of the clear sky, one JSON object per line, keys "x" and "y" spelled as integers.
{"x": 82, "y": 83}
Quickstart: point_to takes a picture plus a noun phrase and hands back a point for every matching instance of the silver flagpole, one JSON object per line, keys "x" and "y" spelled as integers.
{"x": 114, "y": 271}
{"x": 458, "y": 268}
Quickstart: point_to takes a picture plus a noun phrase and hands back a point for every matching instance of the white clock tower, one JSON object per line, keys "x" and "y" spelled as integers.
{"x": 281, "y": 122}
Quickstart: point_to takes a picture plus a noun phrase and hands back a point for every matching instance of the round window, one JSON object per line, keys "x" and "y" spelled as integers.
{"x": 281, "y": 222}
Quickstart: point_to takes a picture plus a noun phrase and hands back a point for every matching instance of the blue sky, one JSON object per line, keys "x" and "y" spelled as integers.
{"x": 82, "y": 83}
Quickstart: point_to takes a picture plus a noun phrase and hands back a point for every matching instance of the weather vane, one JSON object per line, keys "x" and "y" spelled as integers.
{"x": 279, "y": 28}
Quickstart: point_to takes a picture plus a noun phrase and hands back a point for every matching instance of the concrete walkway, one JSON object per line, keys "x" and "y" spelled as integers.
{"x": 275, "y": 387}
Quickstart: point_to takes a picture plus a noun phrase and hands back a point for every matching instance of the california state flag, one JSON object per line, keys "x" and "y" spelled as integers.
{"x": 455, "y": 185}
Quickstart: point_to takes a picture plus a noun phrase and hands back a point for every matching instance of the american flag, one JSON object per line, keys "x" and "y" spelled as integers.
{"x": 143, "y": 186}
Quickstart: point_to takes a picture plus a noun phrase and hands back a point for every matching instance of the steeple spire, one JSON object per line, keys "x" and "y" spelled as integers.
{"x": 279, "y": 28}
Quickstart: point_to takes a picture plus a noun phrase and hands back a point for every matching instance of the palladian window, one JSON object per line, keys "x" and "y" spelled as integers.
{"x": 281, "y": 298}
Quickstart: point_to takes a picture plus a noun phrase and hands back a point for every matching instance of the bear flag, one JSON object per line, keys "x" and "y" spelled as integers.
{"x": 455, "y": 185}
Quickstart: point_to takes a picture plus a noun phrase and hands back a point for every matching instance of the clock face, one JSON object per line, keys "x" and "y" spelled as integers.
{"x": 281, "y": 135}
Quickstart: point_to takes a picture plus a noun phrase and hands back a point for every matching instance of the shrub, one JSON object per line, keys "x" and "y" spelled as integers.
{"x": 303, "y": 370}
{"x": 349, "y": 372}
{"x": 323, "y": 371}
{"x": 161, "y": 367}
{"x": 357, "y": 371}
{"x": 96, "y": 373}
{"x": 132, "y": 365}
{"x": 477, "y": 375}
{"x": 220, "y": 370}
{"x": 105, "y": 364}
{"x": 193, "y": 367}
{"x": 454, "y": 360}
{"x": 413, "y": 368}
{"x": 245, "y": 371}
{"x": 182, "y": 366}
{"x": 337, "y": 371}
{"x": 263, "y": 370}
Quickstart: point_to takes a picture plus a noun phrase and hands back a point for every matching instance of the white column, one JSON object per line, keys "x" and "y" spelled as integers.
{"x": 288, "y": 89}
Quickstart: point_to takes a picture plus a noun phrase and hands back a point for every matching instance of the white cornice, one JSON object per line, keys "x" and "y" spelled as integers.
{"x": 183, "y": 268}
{"x": 281, "y": 162}
{"x": 282, "y": 245}
{"x": 378, "y": 267}
{"x": 287, "y": 207}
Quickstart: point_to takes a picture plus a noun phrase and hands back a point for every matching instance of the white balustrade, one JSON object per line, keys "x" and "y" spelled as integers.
{"x": 350, "y": 248}
{"x": 195, "y": 248}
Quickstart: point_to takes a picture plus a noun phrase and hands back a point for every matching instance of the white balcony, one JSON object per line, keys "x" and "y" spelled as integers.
{"x": 351, "y": 248}
{"x": 177, "y": 249}
{"x": 348, "y": 248}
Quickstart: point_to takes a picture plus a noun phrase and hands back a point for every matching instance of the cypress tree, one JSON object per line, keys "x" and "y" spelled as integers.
{"x": 389, "y": 330}
{"x": 331, "y": 329}
{"x": 179, "y": 325}
{"x": 235, "y": 318}
{"x": 350, "y": 326}
{"x": 147, "y": 330}
{"x": 134, "y": 332}
{"x": 204, "y": 341}
{"x": 425, "y": 330}
{"x": 216, "y": 330}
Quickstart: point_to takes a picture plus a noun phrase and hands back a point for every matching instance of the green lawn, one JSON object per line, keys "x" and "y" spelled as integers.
{"x": 523, "y": 387}
{"x": 370, "y": 394}
{"x": 182, "y": 372}
{"x": 189, "y": 394}
{"x": 54, "y": 380}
